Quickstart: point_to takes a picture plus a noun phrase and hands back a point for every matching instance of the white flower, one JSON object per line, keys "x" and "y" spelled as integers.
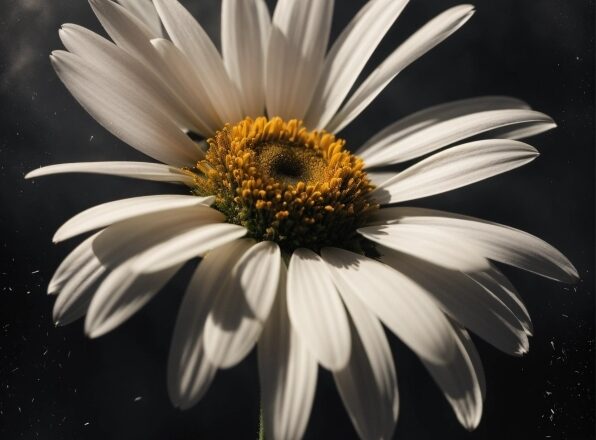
{"x": 297, "y": 257}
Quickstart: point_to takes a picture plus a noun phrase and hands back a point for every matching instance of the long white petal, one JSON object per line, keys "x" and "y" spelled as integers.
{"x": 121, "y": 294}
{"x": 496, "y": 242}
{"x": 76, "y": 295}
{"x": 430, "y": 35}
{"x": 126, "y": 110}
{"x": 186, "y": 245}
{"x": 348, "y": 56}
{"x": 434, "y": 245}
{"x": 184, "y": 79}
{"x": 455, "y": 167}
{"x": 243, "y": 305}
{"x": 316, "y": 310}
{"x": 297, "y": 45}
{"x": 448, "y": 132}
{"x": 436, "y": 114}
{"x": 145, "y": 11}
{"x": 368, "y": 384}
{"x": 287, "y": 373}
{"x": 112, "y": 212}
{"x": 127, "y": 239}
{"x": 466, "y": 301}
{"x": 120, "y": 66}
{"x": 191, "y": 39}
{"x": 462, "y": 381}
{"x": 132, "y": 36}
{"x": 189, "y": 370}
{"x": 137, "y": 170}
{"x": 402, "y": 305}
{"x": 78, "y": 258}
{"x": 245, "y": 28}
{"x": 498, "y": 284}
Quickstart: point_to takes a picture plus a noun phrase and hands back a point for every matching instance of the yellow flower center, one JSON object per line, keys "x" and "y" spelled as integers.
{"x": 284, "y": 183}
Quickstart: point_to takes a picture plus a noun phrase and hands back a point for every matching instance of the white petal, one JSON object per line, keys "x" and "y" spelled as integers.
{"x": 462, "y": 381}
{"x": 297, "y": 45}
{"x": 121, "y": 295}
{"x": 428, "y": 243}
{"x": 183, "y": 78}
{"x": 368, "y": 384}
{"x": 498, "y": 284}
{"x": 126, "y": 110}
{"x": 136, "y": 170}
{"x": 287, "y": 373}
{"x": 112, "y": 212}
{"x": 433, "y": 115}
{"x": 189, "y": 371}
{"x": 316, "y": 311}
{"x": 402, "y": 305}
{"x": 136, "y": 73}
{"x": 186, "y": 245}
{"x": 466, "y": 301}
{"x": 348, "y": 56}
{"x": 243, "y": 305}
{"x": 129, "y": 238}
{"x": 455, "y": 167}
{"x": 245, "y": 28}
{"x": 447, "y": 132}
{"x": 494, "y": 241}
{"x": 145, "y": 11}
{"x": 133, "y": 37}
{"x": 76, "y": 295}
{"x": 191, "y": 39}
{"x": 78, "y": 258}
{"x": 430, "y": 35}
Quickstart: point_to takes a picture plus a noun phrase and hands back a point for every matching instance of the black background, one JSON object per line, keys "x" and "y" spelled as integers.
{"x": 56, "y": 384}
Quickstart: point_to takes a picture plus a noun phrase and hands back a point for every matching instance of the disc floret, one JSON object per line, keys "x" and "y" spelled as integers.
{"x": 284, "y": 183}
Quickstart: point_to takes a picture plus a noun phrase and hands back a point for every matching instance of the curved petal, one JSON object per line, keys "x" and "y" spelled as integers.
{"x": 127, "y": 111}
{"x": 498, "y": 284}
{"x": 455, "y": 167}
{"x": 130, "y": 238}
{"x": 496, "y": 242}
{"x": 132, "y": 36}
{"x": 434, "y": 245}
{"x": 434, "y": 115}
{"x": 466, "y": 301}
{"x": 368, "y": 384}
{"x": 136, "y": 69}
{"x": 402, "y": 305}
{"x": 450, "y": 131}
{"x": 299, "y": 37}
{"x": 430, "y": 35}
{"x": 78, "y": 258}
{"x": 348, "y": 56}
{"x": 287, "y": 373}
{"x": 243, "y": 305}
{"x": 121, "y": 294}
{"x": 145, "y": 11}
{"x": 191, "y": 39}
{"x": 113, "y": 212}
{"x": 136, "y": 170}
{"x": 316, "y": 311}
{"x": 245, "y": 28}
{"x": 189, "y": 370}
{"x": 76, "y": 295}
{"x": 462, "y": 381}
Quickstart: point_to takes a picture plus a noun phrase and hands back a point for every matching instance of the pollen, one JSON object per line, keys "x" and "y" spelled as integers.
{"x": 284, "y": 183}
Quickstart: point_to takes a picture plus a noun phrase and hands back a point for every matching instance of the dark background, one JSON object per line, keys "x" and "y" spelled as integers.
{"x": 56, "y": 384}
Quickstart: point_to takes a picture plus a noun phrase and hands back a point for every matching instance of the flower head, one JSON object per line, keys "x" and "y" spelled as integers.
{"x": 304, "y": 250}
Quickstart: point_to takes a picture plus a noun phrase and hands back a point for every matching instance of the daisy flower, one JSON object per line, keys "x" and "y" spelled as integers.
{"x": 306, "y": 249}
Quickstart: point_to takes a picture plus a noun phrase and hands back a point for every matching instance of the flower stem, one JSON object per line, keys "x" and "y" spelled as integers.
{"x": 261, "y": 423}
